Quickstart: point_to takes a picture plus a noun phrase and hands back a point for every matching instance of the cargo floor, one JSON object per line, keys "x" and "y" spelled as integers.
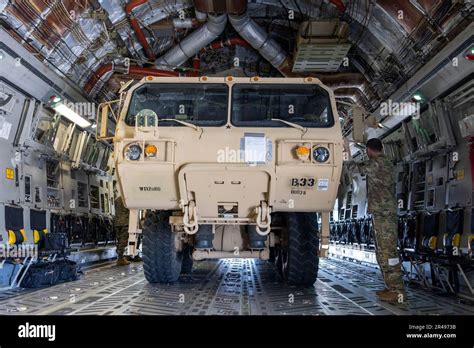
{"x": 225, "y": 287}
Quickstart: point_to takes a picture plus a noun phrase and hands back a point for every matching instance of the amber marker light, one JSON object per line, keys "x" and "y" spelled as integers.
{"x": 151, "y": 150}
{"x": 303, "y": 152}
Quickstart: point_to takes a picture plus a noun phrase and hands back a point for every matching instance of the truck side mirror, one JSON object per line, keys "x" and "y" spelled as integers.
{"x": 102, "y": 131}
{"x": 360, "y": 120}
{"x": 358, "y": 125}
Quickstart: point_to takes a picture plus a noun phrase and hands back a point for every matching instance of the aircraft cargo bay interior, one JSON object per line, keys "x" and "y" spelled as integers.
{"x": 244, "y": 158}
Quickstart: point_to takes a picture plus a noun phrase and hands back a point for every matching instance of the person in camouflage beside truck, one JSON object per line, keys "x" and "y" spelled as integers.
{"x": 121, "y": 230}
{"x": 382, "y": 204}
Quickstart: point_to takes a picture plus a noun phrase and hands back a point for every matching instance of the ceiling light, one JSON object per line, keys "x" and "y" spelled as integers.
{"x": 70, "y": 114}
{"x": 417, "y": 97}
{"x": 469, "y": 55}
{"x": 54, "y": 99}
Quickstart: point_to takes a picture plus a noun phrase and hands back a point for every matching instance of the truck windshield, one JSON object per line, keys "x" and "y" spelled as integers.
{"x": 255, "y": 105}
{"x": 200, "y": 104}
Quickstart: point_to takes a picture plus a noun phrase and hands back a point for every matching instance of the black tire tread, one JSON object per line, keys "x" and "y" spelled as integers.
{"x": 303, "y": 249}
{"x": 161, "y": 261}
{"x": 187, "y": 265}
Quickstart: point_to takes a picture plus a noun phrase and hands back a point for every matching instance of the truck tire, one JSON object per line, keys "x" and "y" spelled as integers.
{"x": 300, "y": 260}
{"x": 161, "y": 260}
{"x": 187, "y": 265}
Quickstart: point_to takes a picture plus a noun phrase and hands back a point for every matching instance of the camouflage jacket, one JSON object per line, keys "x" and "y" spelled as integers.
{"x": 121, "y": 213}
{"x": 380, "y": 184}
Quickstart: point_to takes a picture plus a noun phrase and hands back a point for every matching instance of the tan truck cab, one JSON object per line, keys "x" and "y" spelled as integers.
{"x": 229, "y": 167}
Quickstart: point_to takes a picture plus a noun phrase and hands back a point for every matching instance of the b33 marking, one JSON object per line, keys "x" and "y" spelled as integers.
{"x": 303, "y": 182}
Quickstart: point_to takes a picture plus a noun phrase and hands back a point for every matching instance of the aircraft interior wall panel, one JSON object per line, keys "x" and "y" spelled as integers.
{"x": 436, "y": 178}
{"x": 76, "y": 185}
{"x": 3, "y": 230}
{"x": 460, "y": 183}
{"x": 10, "y": 113}
{"x": 70, "y": 193}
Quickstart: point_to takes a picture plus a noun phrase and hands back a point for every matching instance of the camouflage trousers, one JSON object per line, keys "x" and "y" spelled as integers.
{"x": 385, "y": 235}
{"x": 122, "y": 240}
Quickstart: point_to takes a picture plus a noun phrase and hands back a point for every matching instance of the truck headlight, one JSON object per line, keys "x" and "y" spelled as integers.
{"x": 320, "y": 154}
{"x": 133, "y": 152}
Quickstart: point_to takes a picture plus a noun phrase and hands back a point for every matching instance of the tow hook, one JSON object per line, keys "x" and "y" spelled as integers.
{"x": 190, "y": 218}
{"x": 264, "y": 219}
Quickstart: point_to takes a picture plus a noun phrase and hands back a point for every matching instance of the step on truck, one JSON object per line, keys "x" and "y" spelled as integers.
{"x": 227, "y": 167}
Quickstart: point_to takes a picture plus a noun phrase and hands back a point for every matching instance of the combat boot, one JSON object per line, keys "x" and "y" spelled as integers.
{"x": 389, "y": 296}
{"x": 134, "y": 259}
{"x": 122, "y": 262}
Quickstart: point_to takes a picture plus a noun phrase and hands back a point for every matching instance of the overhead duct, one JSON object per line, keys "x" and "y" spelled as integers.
{"x": 411, "y": 16}
{"x": 136, "y": 27}
{"x": 260, "y": 40}
{"x": 193, "y": 43}
{"x": 355, "y": 94}
{"x": 349, "y": 81}
{"x": 190, "y": 46}
{"x": 341, "y": 80}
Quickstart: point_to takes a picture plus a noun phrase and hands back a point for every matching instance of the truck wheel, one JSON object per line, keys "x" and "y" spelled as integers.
{"x": 161, "y": 259}
{"x": 187, "y": 265}
{"x": 300, "y": 260}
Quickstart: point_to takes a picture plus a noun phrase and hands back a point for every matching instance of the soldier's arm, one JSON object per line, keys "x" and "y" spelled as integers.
{"x": 351, "y": 165}
{"x": 357, "y": 167}
{"x": 363, "y": 168}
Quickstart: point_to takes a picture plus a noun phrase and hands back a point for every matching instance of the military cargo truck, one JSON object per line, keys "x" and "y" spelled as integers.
{"x": 224, "y": 167}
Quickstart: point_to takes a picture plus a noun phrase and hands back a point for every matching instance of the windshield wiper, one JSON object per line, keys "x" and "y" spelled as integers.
{"x": 184, "y": 123}
{"x": 294, "y": 125}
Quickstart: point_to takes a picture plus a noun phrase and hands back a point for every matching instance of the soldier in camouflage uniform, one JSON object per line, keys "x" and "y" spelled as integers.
{"x": 382, "y": 205}
{"x": 121, "y": 230}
